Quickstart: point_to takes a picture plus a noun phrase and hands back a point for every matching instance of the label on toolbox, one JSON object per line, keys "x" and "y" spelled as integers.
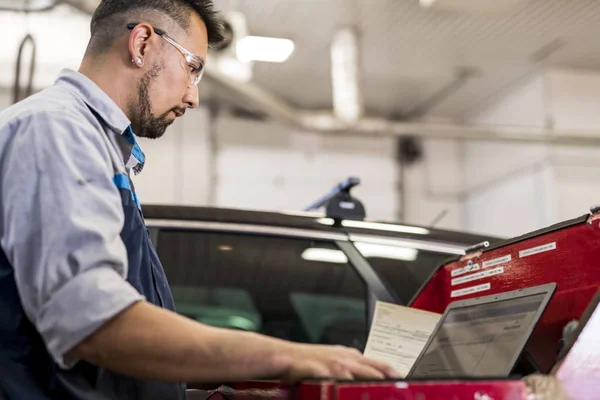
{"x": 471, "y": 290}
{"x": 497, "y": 261}
{"x": 465, "y": 270}
{"x": 477, "y": 276}
{"x": 539, "y": 249}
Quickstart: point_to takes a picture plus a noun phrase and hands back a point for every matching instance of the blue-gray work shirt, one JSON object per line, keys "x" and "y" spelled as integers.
{"x": 61, "y": 211}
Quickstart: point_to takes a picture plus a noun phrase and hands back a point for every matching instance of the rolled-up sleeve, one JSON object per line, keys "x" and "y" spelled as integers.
{"x": 61, "y": 224}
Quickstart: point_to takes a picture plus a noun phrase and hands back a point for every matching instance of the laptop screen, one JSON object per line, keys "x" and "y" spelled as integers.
{"x": 481, "y": 340}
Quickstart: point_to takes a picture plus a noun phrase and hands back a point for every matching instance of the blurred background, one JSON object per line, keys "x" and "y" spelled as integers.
{"x": 478, "y": 116}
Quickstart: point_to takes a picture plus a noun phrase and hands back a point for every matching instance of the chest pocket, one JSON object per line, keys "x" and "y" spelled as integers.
{"x": 145, "y": 271}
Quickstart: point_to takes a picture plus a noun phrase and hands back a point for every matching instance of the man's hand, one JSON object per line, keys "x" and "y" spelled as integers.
{"x": 336, "y": 362}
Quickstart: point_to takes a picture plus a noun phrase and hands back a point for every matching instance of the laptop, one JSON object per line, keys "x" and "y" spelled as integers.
{"x": 482, "y": 337}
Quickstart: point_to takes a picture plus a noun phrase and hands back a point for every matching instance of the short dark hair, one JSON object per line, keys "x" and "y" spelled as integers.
{"x": 111, "y": 14}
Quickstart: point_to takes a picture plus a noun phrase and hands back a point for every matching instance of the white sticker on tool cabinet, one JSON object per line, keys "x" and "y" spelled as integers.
{"x": 539, "y": 249}
{"x": 470, "y": 290}
{"x": 465, "y": 270}
{"x": 497, "y": 261}
{"x": 477, "y": 276}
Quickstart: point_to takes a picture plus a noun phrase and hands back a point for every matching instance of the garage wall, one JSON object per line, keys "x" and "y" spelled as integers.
{"x": 575, "y": 105}
{"x": 433, "y": 187}
{"x": 509, "y": 186}
{"x": 268, "y": 166}
{"x": 515, "y": 188}
{"x": 177, "y": 169}
{"x": 5, "y": 98}
{"x": 263, "y": 166}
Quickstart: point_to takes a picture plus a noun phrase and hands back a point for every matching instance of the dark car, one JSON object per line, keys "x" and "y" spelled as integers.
{"x": 297, "y": 276}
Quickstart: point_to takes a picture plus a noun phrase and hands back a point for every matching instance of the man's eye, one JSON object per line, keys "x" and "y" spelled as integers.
{"x": 193, "y": 69}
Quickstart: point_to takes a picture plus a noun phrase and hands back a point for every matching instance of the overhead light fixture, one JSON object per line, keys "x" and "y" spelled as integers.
{"x": 370, "y": 250}
{"x": 266, "y": 49}
{"x": 378, "y": 226}
{"x": 345, "y": 75}
{"x": 325, "y": 255}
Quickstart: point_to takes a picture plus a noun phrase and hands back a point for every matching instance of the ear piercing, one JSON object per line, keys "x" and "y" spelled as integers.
{"x": 138, "y": 60}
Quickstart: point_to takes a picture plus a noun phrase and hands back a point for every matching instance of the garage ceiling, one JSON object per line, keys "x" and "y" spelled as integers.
{"x": 408, "y": 53}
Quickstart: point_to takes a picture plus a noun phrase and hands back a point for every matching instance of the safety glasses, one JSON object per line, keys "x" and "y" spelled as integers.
{"x": 195, "y": 63}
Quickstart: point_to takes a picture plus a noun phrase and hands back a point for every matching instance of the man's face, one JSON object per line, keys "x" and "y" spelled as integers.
{"x": 164, "y": 92}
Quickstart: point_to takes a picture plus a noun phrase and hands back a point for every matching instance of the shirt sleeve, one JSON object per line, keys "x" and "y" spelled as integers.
{"x": 62, "y": 217}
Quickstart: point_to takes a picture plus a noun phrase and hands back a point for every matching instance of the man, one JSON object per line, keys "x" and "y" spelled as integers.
{"x": 85, "y": 309}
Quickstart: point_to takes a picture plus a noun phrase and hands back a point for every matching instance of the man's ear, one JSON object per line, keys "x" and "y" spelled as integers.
{"x": 139, "y": 41}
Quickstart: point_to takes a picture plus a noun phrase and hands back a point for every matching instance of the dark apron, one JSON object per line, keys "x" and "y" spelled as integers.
{"x": 26, "y": 369}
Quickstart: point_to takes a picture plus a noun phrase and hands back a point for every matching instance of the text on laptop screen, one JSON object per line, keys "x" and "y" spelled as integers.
{"x": 479, "y": 340}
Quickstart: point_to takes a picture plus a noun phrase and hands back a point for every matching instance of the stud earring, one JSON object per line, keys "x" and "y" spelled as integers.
{"x": 139, "y": 60}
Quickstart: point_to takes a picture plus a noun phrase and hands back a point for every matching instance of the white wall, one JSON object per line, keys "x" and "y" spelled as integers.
{"x": 5, "y": 99}
{"x": 434, "y": 186}
{"x": 513, "y": 189}
{"x": 508, "y": 186}
{"x": 267, "y": 166}
{"x": 177, "y": 170}
{"x": 263, "y": 166}
{"x": 575, "y": 106}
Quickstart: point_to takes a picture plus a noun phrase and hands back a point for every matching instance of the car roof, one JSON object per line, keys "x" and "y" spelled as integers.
{"x": 311, "y": 221}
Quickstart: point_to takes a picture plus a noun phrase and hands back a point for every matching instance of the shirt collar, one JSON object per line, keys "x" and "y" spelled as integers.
{"x": 108, "y": 111}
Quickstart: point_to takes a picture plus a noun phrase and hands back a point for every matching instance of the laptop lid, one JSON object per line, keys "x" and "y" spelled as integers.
{"x": 483, "y": 336}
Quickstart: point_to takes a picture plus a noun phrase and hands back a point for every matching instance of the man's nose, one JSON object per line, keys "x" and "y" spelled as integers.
{"x": 191, "y": 98}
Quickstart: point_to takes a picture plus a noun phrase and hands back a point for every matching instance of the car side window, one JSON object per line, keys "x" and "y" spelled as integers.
{"x": 403, "y": 269}
{"x": 301, "y": 290}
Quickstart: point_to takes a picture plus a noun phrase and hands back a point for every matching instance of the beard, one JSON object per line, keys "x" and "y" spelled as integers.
{"x": 146, "y": 124}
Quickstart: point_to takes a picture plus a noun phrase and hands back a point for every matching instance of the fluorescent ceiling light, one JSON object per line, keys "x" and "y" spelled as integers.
{"x": 370, "y": 250}
{"x": 345, "y": 75}
{"x": 257, "y": 48}
{"x": 349, "y": 223}
{"x": 325, "y": 255}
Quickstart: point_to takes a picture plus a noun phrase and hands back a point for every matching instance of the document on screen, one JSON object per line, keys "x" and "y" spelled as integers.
{"x": 398, "y": 335}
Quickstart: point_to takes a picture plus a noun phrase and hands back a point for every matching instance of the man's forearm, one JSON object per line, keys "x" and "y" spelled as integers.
{"x": 151, "y": 343}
